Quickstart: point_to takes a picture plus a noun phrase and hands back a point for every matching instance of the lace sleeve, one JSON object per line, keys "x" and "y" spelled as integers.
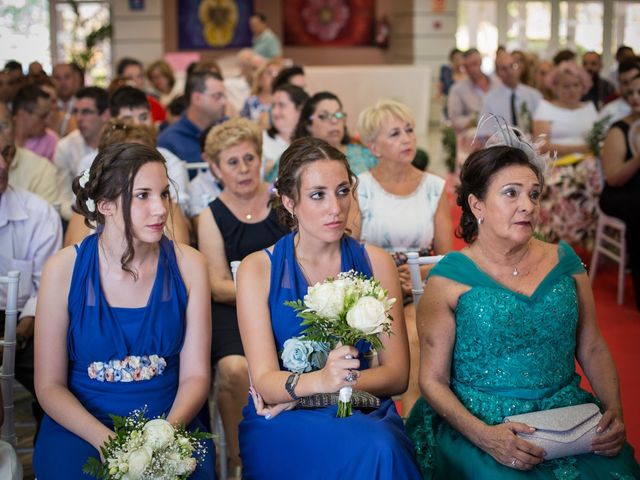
{"x": 571, "y": 263}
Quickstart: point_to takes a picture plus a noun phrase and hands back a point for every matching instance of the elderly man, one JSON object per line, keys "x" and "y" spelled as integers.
{"x": 513, "y": 101}
{"x": 29, "y": 171}
{"x": 30, "y": 232}
{"x": 206, "y": 102}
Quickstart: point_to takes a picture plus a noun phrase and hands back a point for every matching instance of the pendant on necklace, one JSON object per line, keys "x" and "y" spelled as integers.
{"x": 515, "y": 272}
{"x": 248, "y": 216}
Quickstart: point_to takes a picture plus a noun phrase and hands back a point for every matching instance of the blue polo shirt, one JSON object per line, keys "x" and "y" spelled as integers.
{"x": 183, "y": 139}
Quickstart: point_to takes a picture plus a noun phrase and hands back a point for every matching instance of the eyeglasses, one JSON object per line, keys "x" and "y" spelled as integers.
{"x": 327, "y": 117}
{"x": 215, "y": 96}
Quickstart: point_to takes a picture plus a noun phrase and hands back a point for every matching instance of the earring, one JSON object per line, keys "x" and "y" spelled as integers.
{"x": 480, "y": 220}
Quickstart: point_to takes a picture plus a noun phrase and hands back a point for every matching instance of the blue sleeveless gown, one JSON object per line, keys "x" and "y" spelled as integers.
{"x": 513, "y": 354}
{"x": 99, "y": 332}
{"x": 313, "y": 443}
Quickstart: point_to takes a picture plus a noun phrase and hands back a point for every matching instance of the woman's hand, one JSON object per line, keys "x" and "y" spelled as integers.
{"x": 610, "y": 435}
{"x": 269, "y": 411}
{"x": 405, "y": 279}
{"x": 335, "y": 374}
{"x": 502, "y": 443}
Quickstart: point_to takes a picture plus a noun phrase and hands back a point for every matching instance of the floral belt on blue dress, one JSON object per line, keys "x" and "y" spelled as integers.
{"x": 131, "y": 369}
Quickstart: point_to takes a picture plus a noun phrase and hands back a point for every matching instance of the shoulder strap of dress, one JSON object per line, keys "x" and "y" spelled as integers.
{"x": 458, "y": 267}
{"x": 568, "y": 260}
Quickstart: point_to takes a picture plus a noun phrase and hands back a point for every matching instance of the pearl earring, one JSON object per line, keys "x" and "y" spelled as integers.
{"x": 480, "y": 220}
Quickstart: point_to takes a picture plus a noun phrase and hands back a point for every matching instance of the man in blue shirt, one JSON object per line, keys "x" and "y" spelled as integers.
{"x": 206, "y": 102}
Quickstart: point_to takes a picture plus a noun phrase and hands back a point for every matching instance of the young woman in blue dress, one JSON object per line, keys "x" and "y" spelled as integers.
{"x": 122, "y": 294}
{"x": 278, "y": 440}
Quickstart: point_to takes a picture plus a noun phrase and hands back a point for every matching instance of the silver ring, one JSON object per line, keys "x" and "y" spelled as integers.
{"x": 514, "y": 461}
{"x": 351, "y": 376}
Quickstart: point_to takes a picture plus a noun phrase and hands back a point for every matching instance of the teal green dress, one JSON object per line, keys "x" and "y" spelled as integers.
{"x": 513, "y": 354}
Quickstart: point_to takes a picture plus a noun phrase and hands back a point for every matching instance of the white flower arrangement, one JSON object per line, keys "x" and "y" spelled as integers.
{"x": 344, "y": 310}
{"x": 148, "y": 449}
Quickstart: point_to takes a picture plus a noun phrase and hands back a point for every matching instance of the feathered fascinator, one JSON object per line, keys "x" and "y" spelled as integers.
{"x": 508, "y": 136}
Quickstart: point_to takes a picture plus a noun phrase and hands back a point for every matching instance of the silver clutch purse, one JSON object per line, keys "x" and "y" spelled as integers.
{"x": 561, "y": 431}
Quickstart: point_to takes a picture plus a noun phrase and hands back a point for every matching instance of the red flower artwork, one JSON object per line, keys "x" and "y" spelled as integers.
{"x": 328, "y": 22}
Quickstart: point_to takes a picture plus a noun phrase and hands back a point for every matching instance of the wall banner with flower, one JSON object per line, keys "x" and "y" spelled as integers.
{"x": 212, "y": 24}
{"x": 328, "y": 22}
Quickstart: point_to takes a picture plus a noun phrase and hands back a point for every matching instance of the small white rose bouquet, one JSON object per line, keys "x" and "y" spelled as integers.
{"x": 344, "y": 310}
{"x": 148, "y": 449}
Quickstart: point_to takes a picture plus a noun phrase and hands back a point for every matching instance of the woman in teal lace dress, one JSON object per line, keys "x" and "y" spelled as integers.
{"x": 501, "y": 324}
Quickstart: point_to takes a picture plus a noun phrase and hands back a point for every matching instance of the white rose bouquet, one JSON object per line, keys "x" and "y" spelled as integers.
{"x": 344, "y": 310}
{"x": 148, "y": 449}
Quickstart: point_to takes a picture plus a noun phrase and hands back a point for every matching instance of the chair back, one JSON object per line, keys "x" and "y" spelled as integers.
{"x": 196, "y": 166}
{"x": 414, "y": 260}
{"x": 12, "y": 280}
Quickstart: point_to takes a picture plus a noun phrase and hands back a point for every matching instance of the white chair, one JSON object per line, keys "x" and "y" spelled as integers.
{"x": 12, "y": 280}
{"x": 10, "y": 467}
{"x": 609, "y": 246}
{"x": 414, "y": 260}
{"x": 196, "y": 166}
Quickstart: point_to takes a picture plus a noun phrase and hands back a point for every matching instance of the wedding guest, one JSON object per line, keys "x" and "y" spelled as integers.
{"x": 293, "y": 75}
{"x": 286, "y": 104}
{"x": 323, "y": 117}
{"x": 133, "y": 327}
{"x": 66, "y": 87}
{"x": 315, "y": 187}
{"x": 621, "y": 165}
{"x": 31, "y": 110}
{"x": 541, "y": 71}
{"x": 265, "y": 42}
{"x": 622, "y": 53}
{"x": 402, "y": 208}
{"x": 56, "y": 117}
{"x": 205, "y": 187}
{"x": 118, "y": 131}
{"x": 449, "y": 74}
{"x": 512, "y": 100}
{"x": 161, "y": 76}
{"x": 132, "y": 71}
{"x": 524, "y": 66}
{"x": 238, "y": 222}
{"x": 569, "y": 204}
{"x": 257, "y": 106}
{"x": 502, "y": 324}
{"x": 619, "y": 108}
{"x": 601, "y": 90}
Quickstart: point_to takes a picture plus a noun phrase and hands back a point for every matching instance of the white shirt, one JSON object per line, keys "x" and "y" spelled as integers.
{"x": 203, "y": 190}
{"x": 176, "y": 170}
{"x": 616, "y": 110}
{"x": 69, "y": 152}
{"x": 30, "y": 232}
{"x": 237, "y": 90}
{"x": 399, "y": 223}
{"x": 568, "y": 127}
{"x": 498, "y": 102}
{"x": 272, "y": 150}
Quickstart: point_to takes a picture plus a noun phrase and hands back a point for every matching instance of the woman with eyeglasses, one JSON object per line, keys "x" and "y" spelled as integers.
{"x": 323, "y": 117}
{"x": 402, "y": 208}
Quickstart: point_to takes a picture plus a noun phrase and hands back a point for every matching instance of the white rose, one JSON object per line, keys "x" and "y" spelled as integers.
{"x": 158, "y": 433}
{"x": 368, "y": 315}
{"x": 326, "y": 299}
{"x": 139, "y": 460}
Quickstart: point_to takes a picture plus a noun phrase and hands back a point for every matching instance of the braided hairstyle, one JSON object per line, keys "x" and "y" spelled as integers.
{"x": 476, "y": 175}
{"x": 111, "y": 176}
{"x": 294, "y": 160}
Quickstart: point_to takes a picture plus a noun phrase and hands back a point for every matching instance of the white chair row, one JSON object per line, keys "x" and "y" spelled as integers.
{"x": 414, "y": 260}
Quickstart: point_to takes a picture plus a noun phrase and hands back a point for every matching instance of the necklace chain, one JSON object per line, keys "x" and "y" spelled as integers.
{"x": 515, "y": 272}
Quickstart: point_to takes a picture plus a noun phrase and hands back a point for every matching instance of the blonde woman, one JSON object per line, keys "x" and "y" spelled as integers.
{"x": 238, "y": 222}
{"x": 401, "y": 207}
{"x": 257, "y": 106}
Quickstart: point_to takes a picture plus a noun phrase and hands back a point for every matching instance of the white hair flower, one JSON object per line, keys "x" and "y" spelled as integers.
{"x": 91, "y": 205}
{"x": 84, "y": 179}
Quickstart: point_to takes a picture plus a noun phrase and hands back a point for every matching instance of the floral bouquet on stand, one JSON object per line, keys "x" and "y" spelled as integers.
{"x": 148, "y": 449}
{"x": 340, "y": 311}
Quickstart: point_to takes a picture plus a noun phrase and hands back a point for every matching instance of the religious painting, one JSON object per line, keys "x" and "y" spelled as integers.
{"x": 328, "y": 23}
{"x": 214, "y": 24}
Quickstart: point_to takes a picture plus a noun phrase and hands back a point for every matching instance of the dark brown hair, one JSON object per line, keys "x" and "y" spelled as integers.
{"x": 476, "y": 175}
{"x": 111, "y": 176}
{"x": 301, "y": 153}
{"x": 309, "y": 109}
